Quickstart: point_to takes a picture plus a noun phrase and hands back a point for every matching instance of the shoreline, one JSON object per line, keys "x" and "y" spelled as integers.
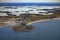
{"x": 42, "y": 20}
{"x": 11, "y": 23}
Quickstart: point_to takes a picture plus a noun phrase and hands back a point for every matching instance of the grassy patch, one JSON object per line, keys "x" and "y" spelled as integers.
{"x": 25, "y": 28}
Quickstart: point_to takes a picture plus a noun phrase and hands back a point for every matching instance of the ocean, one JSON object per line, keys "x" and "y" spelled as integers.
{"x": 31, "y": 4}
{"x": 47, "y": 30}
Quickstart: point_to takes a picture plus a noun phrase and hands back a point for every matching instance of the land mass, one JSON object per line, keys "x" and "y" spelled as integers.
{"x": 22, "y": 22}
{"x": 27, "y": 18}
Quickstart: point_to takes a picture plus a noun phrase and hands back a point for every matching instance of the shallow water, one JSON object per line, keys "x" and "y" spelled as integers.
{"x": 47, "y": 30}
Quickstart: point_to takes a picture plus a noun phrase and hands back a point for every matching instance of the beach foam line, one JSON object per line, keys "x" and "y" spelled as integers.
{"x": 42, "y": 20}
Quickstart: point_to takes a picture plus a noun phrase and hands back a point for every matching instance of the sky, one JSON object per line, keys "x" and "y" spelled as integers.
{"x": 30, "y": 1}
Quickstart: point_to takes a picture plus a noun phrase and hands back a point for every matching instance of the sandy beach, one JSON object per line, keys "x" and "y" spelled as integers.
{"x": 42, "y": 20}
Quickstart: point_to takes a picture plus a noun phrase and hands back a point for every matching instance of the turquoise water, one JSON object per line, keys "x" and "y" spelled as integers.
{"x": 47, "y": 30}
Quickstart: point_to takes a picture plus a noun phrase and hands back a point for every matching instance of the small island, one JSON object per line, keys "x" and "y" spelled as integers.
{"x": 21, "y": 26}
{"x": 25, "y": 28}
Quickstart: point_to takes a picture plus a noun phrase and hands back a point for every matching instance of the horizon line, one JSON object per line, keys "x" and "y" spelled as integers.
{"x": 30, "y": 4}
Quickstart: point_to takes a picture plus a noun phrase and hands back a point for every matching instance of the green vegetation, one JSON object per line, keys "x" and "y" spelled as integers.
{"x": 25, "y": 28}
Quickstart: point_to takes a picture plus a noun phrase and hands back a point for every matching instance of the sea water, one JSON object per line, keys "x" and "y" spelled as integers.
{"x": 47, "y": 30}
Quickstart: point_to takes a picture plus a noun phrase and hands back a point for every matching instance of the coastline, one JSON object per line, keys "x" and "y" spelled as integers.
{"x": 42, "y": 20}
{"x": 11, "y": 23}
